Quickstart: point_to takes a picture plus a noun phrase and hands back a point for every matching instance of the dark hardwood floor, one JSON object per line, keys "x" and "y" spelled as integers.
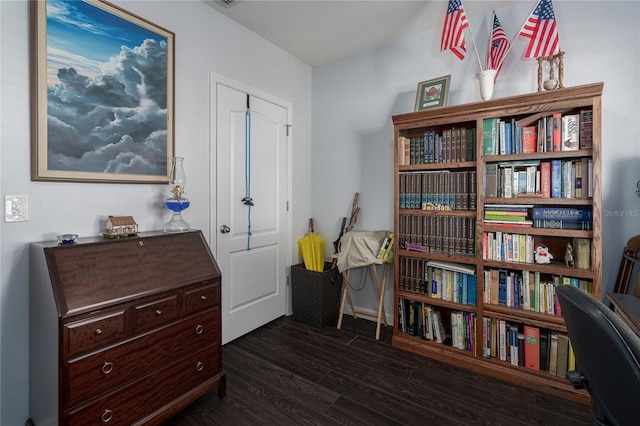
{"x": 288, "y": 373}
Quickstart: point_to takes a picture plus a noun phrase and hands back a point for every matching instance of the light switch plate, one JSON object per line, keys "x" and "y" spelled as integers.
{"x": 16, "y": 208}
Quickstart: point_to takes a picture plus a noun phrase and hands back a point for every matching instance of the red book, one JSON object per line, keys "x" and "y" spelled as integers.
{"x": 529, "y": 140}
{"x": 532, "y": 347}
{"x": 557, "y": 132}
{"x": 545, "y": 179}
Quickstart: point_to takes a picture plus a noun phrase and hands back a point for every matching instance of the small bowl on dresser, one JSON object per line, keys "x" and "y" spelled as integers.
{"x": 67, "y": 238}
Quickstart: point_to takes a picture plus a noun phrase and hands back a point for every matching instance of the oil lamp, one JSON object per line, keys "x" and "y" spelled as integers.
{"x": 178, "y": 202}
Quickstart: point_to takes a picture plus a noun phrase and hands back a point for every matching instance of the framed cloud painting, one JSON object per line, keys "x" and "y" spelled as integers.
{"x": 102, "y": 94}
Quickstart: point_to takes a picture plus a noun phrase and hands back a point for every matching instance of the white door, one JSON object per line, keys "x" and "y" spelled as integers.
{"x": 251, "y": 241}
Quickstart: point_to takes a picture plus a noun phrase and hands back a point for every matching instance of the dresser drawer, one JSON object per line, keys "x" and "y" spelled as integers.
{"x": 91, "y": 375}
{"x": 203, "y": 297}
{"x": 156, "y": 313}
{"x": 94, "y": 332}
{"x": 132, "y": 402}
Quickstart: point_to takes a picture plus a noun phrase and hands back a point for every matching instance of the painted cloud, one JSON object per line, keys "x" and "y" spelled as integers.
{"x": 107, "y": 110}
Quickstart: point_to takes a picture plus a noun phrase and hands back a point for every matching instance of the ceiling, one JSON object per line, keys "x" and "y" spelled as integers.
{"x": 321, "y": 31}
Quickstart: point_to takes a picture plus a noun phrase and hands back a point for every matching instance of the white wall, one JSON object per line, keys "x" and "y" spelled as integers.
{"x": 354, "y": 99}
{"x": 206, "y": 42}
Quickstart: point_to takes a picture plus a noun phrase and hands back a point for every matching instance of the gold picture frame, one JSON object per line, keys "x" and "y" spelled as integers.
{"x": 433, "y": 93}
{"x": 102, "y": 101}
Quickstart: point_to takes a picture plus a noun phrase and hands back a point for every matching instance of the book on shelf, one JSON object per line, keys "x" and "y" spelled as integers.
{"x": 563, "y": 355}
{"x": 491, "y": 180}
{"x": 532, "y": 347}
{"x": 583, "y": 225}
{"x": 403, "y": 150}
{"x": 508, "y": 207}
{"x": 562, "y": 213}
{"x": 524, "y": 223}
{"x": 502, "y": 340}
{"x": 578, "y": 180}
{"x": 586, "y": 129}
{"x": 556, "y": 178}
{"x": 571, "y": 363}
{"x": 568, "y": 179}
{"x": 544, "y": 350}
{"x": 529, "y": 140}
{"x": 438, "y": 327}
{"x": 553, "y": 352}
{"x": 570, "y": 132}
{"x": 512, "y": 337}
{"x": 490, "y": 136}
{"x": 428, "y": 323}
{"x": 582, "y": 253}
{"x": 557, "y": 131}
{"x": 545, "y": 179}
{"x": 451, "y": 266}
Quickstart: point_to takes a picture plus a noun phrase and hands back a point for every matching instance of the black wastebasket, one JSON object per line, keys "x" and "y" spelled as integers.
{"x": 316, "y": 295}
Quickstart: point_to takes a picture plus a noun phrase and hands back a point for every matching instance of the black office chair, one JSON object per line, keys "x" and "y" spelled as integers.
{"x": 607, "y": 355}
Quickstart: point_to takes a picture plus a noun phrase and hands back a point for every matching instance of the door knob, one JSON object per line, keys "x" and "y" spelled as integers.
{"x": 225, "y": 229}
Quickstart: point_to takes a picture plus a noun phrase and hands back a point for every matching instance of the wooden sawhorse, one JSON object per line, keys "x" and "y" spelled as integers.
{"x": 346, "y": 293}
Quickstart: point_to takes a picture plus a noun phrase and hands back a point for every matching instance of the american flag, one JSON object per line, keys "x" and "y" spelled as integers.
{"x": 540, "y": 28}
{"x": 453, "y": 30}
{"x": 498, "y": 47}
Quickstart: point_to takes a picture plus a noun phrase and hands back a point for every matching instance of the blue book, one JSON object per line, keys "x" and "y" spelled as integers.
{"x": 502, "y": 287}
{"x": 562, "y": 213}
{"x": 508, "y": 140}
{"x": 471, "y": 289}
{"x": 517, "y": 287}
{"x": 556, "y": 179}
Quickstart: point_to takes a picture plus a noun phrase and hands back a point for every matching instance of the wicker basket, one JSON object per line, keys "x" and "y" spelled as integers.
{"x": 316, "y": 295}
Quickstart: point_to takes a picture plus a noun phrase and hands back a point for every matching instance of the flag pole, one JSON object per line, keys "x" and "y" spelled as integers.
{"x": 516, "y": 36}
{"x": 473, "y": 39}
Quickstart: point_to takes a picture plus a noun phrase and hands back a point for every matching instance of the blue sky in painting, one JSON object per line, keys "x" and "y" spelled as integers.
{"x": 107, "y": 92}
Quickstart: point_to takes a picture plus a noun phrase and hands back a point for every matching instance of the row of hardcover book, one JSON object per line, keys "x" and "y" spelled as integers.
{"x": 438, "y": 190}
{"x": 528, "y": 135}
{"x": 457, "y": 329}
{"x": 509, "y": 247}
{"x": 450, "y": 281}
{"x": 527, "y": 290}
{"x": 453, "y": 235}
{"x": 451, "y": 146}
{"x": 546, "y": 179}
{"x": 538, "y": 349}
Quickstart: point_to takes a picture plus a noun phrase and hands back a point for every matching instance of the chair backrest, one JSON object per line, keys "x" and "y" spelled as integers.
{"x": 607, "y": 353}
{"x": 629, "y": 268}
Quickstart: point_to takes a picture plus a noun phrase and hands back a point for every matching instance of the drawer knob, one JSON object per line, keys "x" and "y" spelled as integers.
{"x": 106, "y": 416}
{"x": 199, "y": 329}
{"x": 158, "y": 312}
{"x": 98, "y": 331}
{"x": 199, "y": 366}
{"x": 203, "y": 297}
{"x": 107, "y": 367}
{"x": 141, "y": 243}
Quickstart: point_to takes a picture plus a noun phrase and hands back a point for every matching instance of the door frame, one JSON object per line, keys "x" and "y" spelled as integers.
{"x": 216, "y": 79}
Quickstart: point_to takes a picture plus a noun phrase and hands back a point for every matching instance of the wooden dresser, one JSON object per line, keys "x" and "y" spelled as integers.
{"x": 123, "y": 331}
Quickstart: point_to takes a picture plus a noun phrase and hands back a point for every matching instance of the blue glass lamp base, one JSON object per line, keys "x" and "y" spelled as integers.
{"x": 177, "y": 223}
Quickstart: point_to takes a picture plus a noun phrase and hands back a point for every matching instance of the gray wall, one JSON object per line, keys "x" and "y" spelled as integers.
{"x": 206, "y": 42}
{"x": 353, "y": 101}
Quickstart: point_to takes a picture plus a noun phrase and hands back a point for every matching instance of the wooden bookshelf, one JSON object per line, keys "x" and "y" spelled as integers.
{"x": 428, "y": 214}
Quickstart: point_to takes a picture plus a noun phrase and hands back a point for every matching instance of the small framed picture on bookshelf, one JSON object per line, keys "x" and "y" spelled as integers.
{"x": 433, "y": 93}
